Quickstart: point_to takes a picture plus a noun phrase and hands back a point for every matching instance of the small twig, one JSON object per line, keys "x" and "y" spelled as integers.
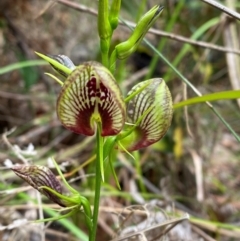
{"x": 192, "y": 42}
{"x": 223, "y": 8}
{"x": 231, "y": 39}
{"x": 202, "y": 233}
{"x": 197, "y": 161}
{"x": 16, "y": 152}
{"x": 41, "y": 216}
{"x": 47, "y": 6}
{"x": 79, "y": 7}
{"x": 105, "y": 226}
{"x": 165, "y": 224}
{"x": 186, "y": 112}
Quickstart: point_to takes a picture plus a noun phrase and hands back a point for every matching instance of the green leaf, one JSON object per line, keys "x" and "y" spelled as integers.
{"x": 225, "y": 95}
{"x": 21, "y": 65}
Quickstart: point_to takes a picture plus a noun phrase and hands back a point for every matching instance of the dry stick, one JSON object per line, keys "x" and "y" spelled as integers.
{"x": 231, "y": 39}
{"x": 41, "y": 215}
{"x": 16, "y": 151}
{"x": 179, "y": 38}
{"x": 186, "y": 111}
{"x": 201, "y": 233}
{"x": 197, "y": 161}
{"x": 164, "y": 224}
{"x": 190, "y": 41}
{"x": 223, "y": 8}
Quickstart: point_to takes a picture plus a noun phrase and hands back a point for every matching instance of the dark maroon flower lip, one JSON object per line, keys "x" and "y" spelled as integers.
{"x": 90, "y": 94}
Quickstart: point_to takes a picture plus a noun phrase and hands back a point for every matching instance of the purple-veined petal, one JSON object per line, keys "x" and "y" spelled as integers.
{"x": 90, "y": 94}
{"x": 154, "y": 103}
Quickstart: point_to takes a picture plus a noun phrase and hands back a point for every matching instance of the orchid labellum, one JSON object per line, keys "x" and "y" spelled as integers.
{"x": 149, "y": 114}
{"x": 90, "y": 94}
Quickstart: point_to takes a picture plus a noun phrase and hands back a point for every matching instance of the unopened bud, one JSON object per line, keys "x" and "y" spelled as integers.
{"x": 123, "y": 50}
{"x": 38, "y": 177}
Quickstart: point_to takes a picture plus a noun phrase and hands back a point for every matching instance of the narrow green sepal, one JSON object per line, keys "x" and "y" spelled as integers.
{"x": 109, "y": 147}
{"x": 55, "y": 64}
{"x": 68, "y": 201}
{"x": 72, "y": 212}
{"x": 55, "y": 78}
{"x": 105, "y": 45}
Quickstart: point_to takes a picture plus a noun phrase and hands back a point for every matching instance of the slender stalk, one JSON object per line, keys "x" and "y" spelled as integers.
{"x": 105, "y": 58}
{"x": 104, "y": 30}
{"x": 98, "y": 181}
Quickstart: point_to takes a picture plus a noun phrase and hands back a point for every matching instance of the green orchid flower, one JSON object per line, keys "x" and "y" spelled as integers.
{"x": 149, "y": 114}
{"x": 89, "y": 95}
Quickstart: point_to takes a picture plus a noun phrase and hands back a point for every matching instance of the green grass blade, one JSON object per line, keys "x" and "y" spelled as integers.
{"x": 225, "y": 95}
{"x": 187, "y": 47}
{"x": 20, "y": 65}
{"x": 170, "y": 24}
{"x": 69, "y": 225}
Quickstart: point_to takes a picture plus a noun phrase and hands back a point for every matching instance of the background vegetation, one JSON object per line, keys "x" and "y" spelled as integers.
{"x": 194, "y": 169}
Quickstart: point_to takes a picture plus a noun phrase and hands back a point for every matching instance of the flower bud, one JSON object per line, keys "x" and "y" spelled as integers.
{"x": 40, "y": 176}
{"x": 123, "y": 50}
{"x": 90, "y": 94}
{"x": 63, "y": 60}
{"x": 150, "y": 111}
{"x": 114, "y": 12}
{"x": 61, "y": 63}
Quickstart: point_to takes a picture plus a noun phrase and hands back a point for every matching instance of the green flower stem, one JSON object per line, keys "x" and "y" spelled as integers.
{"x": 112, "y": 156}
{"x": 113, "y": 59}
{"x": 138, "y": 167}
{"x": 104, "y": 52}
{"x": 98, "y": 182}
{"x": 87, "y": 213}
{"x": 104, "y": 31}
